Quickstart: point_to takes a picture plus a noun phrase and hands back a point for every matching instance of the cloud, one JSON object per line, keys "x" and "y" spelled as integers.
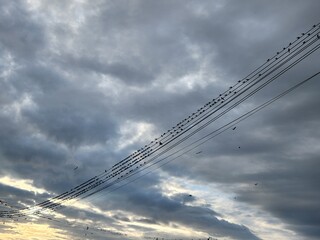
{"x": 83, "y": 84}
{"x": 157, "y": 208}
{"x": 21, "y": 34}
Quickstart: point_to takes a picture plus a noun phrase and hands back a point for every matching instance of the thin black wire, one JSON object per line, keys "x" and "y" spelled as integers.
{"x": 216, "y": 133}
{"x": 99, "y": 183}
{"x": 115, "y": 181}
{"x": 109, "y": 184}
{"x": 248, "y": 75}
{"x": 138, "y": 160}
{"x": 94, "y": 179}
{"x": 290, "y": 66}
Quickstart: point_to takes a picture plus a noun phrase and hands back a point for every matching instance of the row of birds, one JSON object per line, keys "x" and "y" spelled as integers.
{"x": 179, "y": 127}
{"x": 160, "y": 143}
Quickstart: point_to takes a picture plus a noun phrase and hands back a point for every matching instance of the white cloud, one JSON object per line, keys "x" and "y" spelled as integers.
{"x": 23, "y": 184}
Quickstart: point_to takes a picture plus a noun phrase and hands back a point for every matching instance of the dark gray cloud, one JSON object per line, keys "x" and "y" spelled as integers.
{"x": 21, "y": 35}
{"x": 77, "y": 79}
{"x": 130, "y": 75}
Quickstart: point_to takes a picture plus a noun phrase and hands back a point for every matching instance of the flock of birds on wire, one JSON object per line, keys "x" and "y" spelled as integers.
{"x": 149, "y": 155}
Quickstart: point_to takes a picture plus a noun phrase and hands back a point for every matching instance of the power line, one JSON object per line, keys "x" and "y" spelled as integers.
{"x": 128, "y": 165}
{"x": 216, "y": 132}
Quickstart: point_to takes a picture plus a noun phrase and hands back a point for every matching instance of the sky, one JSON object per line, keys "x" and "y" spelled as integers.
{"x": 83, "y": 84}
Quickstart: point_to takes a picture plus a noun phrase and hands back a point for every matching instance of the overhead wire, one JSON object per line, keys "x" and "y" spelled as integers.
{"x": 107, "y": 185}
{"x": 291, "y": 66}
{"x": 91, "y": 182}
{"x": 139, "y": 155}
{"x": 212, "y": 134}
{"x": 123, "y": 168}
